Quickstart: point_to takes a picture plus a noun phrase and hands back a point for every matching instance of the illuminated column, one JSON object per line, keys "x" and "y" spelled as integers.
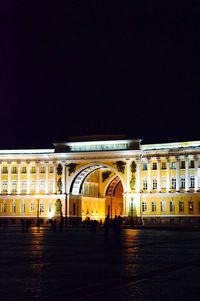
{"x": 168, "y": 174}
{"x": 47, "y": 177}
{"x": 196, "y": 163}
{"x": 0, "y": 176}
{"x": 149, "y": 174}
{"x": 54, "y": 176}
{"x": 18, "y": 177}
{"x": 138, "y": 176}
{"x": 186, "y": 173}
{"x": 127, "y": 175}
{"x": 177, "y": 173}
{"x": 158, "y": 175}
{"x": 28, "y": 178}
{"x": 9, "y": 177}
{"x": 37, "y": 176}
{"x": 63, "y": 176}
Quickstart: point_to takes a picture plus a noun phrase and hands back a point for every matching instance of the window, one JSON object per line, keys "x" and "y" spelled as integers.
{"x": 182, "y": 165}
{"x": 154, "y": 184}
{"x": 42, "y": 185}
{"x": 4, "y": 207}
{"x": 172, "y": 206}
{"x": 162, "y": 206}
{"x": 74, "y": 209}
{"x": 173, "y": 183}
{"x": 144, "y": 206}
{"x": 4, "y": 186}
{"x": 182, "y": 182}
{"x": 13, "y": 207}
{"x": 42, "y": 169}
{"x": 14, "y": 186}
{"x": 51, "y": 169}
{"x": 14, "y": 169}
{"x": 23, "y": 186}
{"x": 181, "y": 206}
{"x": 199, "y": 206}
{"x": 49, "y": 207}
{"x": 191, "y": 206}
{"x": 144, "y": 166}
{"x": 5, "y": 169}
{"x": 145, "y": 185}
{"x": 22, "y": 207}
{"x": 23, "y": 169}
{"x": 33, "y": 169}
{"x": 51, "y": 186}
{"x": 164, "y": 183}
{"x": 31, "y": 206}
{"x": 173, "y": 165}
{"x": 153, "y": 206}
{"x": 164, "y": 165}
{"x": 192, "y": 164}
{"x": 32, "y": 186}
{"x": 154, "y": 166}
{"x": 192, "y": 182}
{"x": 41, "y": 207}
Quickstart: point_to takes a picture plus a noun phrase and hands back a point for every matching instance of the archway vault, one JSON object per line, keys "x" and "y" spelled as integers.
{"x": 81, "y": 174}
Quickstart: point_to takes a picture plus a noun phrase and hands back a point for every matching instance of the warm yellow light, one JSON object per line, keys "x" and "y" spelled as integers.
{"x": 51, "y": 214}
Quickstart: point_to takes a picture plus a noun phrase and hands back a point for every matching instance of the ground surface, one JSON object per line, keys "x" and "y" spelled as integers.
{"x": 77, "y": 264}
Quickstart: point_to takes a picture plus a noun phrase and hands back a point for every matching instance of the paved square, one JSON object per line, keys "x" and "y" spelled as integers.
{"x": 78, "y": 264}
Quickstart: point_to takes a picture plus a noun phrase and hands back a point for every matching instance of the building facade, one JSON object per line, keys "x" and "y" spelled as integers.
{"x": 90, "y": 178}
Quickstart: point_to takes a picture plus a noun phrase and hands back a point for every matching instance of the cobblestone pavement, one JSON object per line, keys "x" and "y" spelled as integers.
{"x": 77, "y": 264}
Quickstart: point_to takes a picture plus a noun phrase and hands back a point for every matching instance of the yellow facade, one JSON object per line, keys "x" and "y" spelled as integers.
{"x": 157, "y": 183}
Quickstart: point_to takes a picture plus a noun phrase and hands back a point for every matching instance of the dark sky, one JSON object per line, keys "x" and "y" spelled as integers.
{"x": 99, "y": 67}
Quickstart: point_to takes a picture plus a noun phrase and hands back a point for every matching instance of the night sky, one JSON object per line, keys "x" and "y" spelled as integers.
{"x": 72, "y": 68}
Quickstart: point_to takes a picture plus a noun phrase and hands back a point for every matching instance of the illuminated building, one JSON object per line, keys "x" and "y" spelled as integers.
{"x": 155, "y": 183}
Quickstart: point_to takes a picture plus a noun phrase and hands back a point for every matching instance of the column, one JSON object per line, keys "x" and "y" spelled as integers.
{"x": 0, "y": 177}
{"x": 149, "y": 174}
{"x": 158, "y": 175}
{"x": 55, "y": 178}
{"x": 28, "y": 178}
{"x": 47, "y": 177}
{"x": 128, "y": 176}
{"x": 18, "y": 177}
{"x": 168, "y": 174}
{"x": 37, "y": 176}
{"x": 186, "y": 174}
{"x": 177, "y": 173}
{"x": 9, "y": 177}
{"x": 138, "y": 170}
{"x": 196, "y": 163}
{"x": 63, "y": 176}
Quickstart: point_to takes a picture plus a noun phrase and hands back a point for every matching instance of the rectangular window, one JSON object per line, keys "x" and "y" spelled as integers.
{"x": 182, "y": 166}
{"x": 162, "y": 206}
{"x": 145, "y": 185}
{"x": 144, "y": 166}
{"x": 173, "y": 165}
{"x": 154, "y": 166}
{"x": 183, "y": 182}
{"x": 51, "y": 186}
{"x": 181, "y": 206}
{"x": 192, "y": 182}
{"x": 41, "y": 207}
{"x": 144, "y": 206}
{"x": 42, "y": 169}
{"x": 33, "y": 170}
{"x": 74, "y": 209}
{"x": 14, "y": 186}
{"x": 23, "y": 186}
{"x": 173, "y": 183}
{"x": 49, "y": 207}
{"x": 13, "y": 207}
{"x": 192, "y": 164}
{"x": 172, "y": 206}
{"x": 31, "y": 206}
{"x": 51, "y": 169}
{"x": 4, "y": 207}
{"x": 42, "y": 185}
{"x": 154, "y": 184}
{"x": 4, "y": 186}
{"x": 22, "y": 207}
{"x": 153, "y": 206}
{"x": 32, "y": 186}
{"x": 23, "y": 169}
{"x": 5, "y": 169}
{"x": 191, "y": 207}
{"x": 14, "y": 169}
{"x": 164, "y": 165}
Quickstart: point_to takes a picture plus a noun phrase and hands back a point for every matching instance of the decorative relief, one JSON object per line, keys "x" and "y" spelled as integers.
{"x": 59, "y": 185}
{"x": 120, "y": 166}
{"x": 59, "y": 169}
{"x": 71, "y": 168}
{"x": 133, "y": 170}
{"x": 105, "y": 175}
